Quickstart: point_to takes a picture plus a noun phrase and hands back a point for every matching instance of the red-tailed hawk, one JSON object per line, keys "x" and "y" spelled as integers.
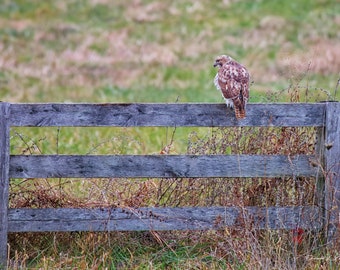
{"x": 232, "y": 79}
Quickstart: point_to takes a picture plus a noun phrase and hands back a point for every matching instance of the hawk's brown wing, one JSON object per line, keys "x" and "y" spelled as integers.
{"x": 233, "y": 80}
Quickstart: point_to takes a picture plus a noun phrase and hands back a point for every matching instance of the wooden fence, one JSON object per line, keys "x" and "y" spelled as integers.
{"x": 325, "y": 165}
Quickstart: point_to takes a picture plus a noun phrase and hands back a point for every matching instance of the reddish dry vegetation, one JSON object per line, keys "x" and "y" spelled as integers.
{"x": 245, "y": 246}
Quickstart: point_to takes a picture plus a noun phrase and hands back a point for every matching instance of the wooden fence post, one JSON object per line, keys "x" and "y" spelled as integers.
{"x": 320, "y": 236}
{"x": 4, "y": 180}
{"x": 332, "y": 169}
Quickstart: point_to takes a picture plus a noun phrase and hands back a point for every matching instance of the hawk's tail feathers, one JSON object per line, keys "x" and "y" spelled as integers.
{"x": 240, "y": 113}
{"x": 240, "y": 106}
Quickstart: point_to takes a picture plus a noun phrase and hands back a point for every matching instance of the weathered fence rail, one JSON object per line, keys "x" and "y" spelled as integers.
{"x": 325, "y": 215}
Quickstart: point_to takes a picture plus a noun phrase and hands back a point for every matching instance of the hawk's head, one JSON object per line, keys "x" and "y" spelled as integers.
{"x": 221, "y": 60}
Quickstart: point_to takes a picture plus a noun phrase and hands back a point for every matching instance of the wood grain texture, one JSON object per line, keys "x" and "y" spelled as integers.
{"x": 332, "y": 168}
{"x": 149, "y": 218}
{"x": 186, "y": 114}
{"x": 4, "y": 179}
{"x": 320, "y": 164}
{"x": 138, "y": 166}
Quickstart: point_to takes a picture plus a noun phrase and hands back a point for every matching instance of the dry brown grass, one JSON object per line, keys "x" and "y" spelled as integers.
{"x": 322, "y": 54}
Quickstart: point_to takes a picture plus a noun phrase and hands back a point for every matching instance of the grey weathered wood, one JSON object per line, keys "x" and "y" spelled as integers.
{"x": 319, "y": 164}
{"x": 332, "y": 168}
{"x": 4, "y": 180}
{"x": 151, "y": 218}
{"x": 55, "y": 166}
{"x": 320, "y": 178}
{"x": 127, "y": 115}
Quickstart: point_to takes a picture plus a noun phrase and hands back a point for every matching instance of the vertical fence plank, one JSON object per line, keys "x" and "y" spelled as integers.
{"x": 4, "y": 180}
{"x": 320, "y": 182}
{"x": 332, "y": 169}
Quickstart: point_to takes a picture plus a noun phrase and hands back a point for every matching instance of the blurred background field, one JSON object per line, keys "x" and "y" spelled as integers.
{"x": 155, "y": 51}
{"x": 163, "y": 51}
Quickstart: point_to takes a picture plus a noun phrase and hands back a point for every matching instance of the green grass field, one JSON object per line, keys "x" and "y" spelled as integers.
{"x": 155, "y": 51}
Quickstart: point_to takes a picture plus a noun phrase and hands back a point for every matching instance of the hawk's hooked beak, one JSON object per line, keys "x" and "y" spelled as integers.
{"x": 216, "y": 64}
